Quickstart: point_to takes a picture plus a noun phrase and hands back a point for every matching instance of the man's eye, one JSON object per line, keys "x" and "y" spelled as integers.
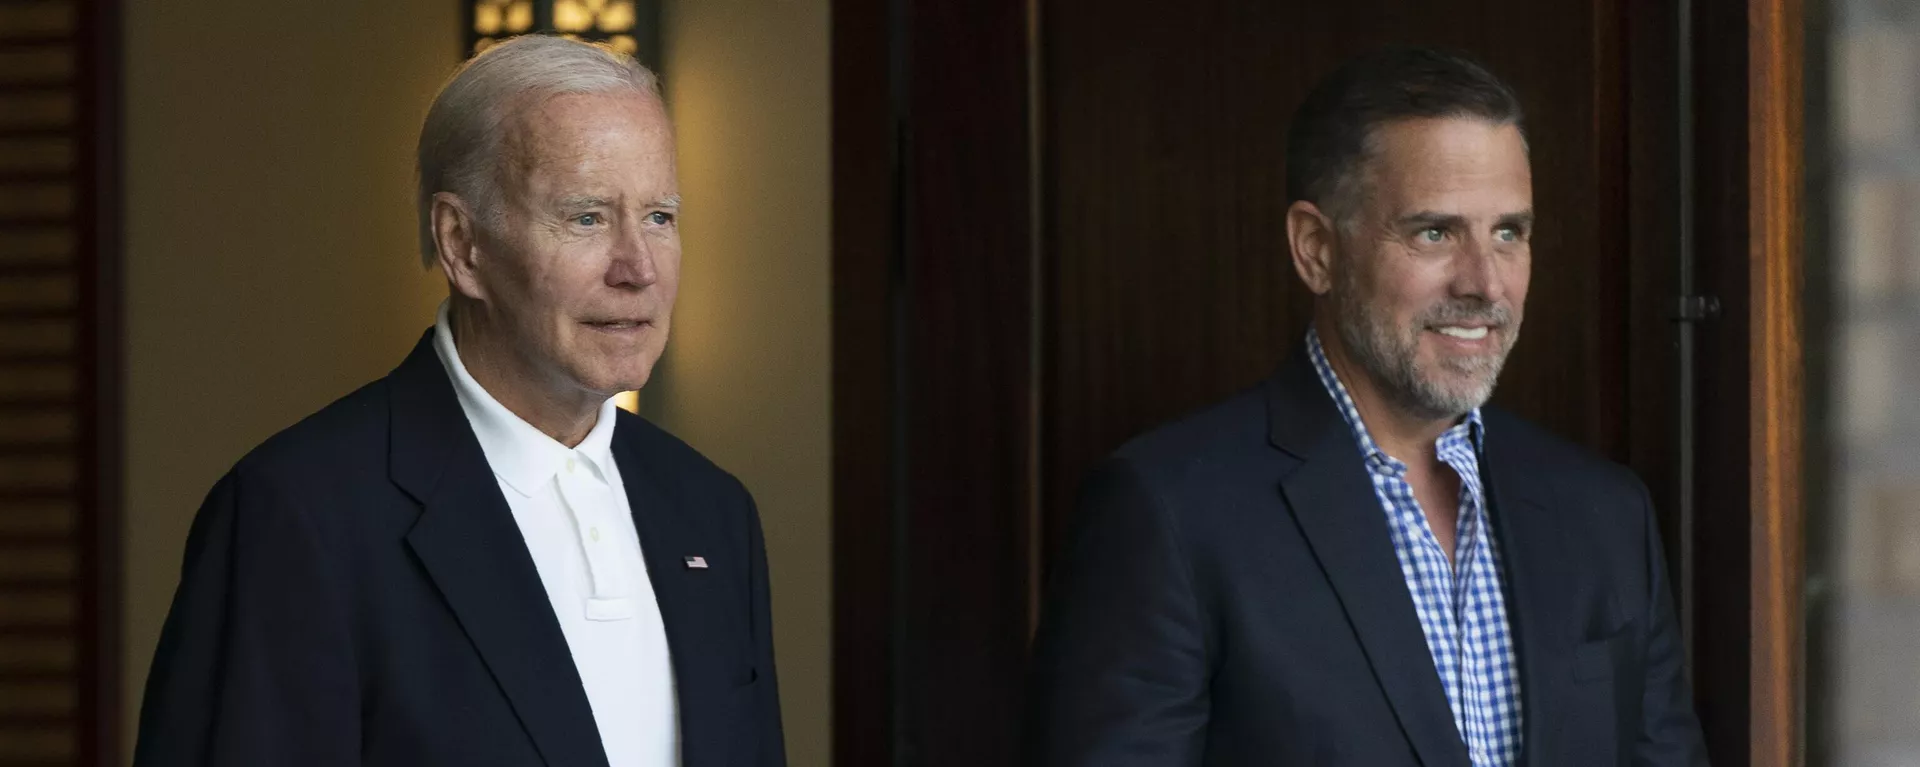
{"x": 660, "y": 218}
{"x": 1432, "y": 234}
{"x": 587, "y": 219}
{"x": 1507, "y": 234}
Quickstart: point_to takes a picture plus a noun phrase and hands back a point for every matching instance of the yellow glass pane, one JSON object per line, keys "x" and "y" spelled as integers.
{"x": 624, "y": 44}
{"x": 520, "y": 16}
{"x": 487, "y": 18}
{"x": 571, "y": 16}
{"x": 618, "y": 17}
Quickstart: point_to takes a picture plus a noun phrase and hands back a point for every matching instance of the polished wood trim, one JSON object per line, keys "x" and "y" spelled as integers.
{"x": 1749, "y": 540}
{"x": 1776, "y": 180}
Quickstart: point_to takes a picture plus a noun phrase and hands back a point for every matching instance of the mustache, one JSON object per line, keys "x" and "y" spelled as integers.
{"x": 1467, "y": 310}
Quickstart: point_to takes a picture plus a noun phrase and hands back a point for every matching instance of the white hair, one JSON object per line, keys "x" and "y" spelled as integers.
{"x": 461, "y": 141}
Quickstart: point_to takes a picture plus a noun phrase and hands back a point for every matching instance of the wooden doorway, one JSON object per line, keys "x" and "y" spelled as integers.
{"x": 1056, "y": 224}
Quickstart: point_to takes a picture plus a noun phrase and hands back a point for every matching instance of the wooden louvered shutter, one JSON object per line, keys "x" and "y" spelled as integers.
{"x": 58, "y": 364}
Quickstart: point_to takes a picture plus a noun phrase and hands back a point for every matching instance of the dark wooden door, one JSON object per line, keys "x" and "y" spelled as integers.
{"x": 1168, "y": 282}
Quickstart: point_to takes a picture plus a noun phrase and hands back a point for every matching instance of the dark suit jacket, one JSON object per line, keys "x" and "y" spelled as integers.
{"x": 1229, "y": 595}
{"x": 356, "y": 592}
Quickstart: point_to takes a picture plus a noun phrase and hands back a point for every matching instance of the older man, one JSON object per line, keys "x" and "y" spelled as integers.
{"x": 479, "y": 560}
{"x": 1357, "y": 563}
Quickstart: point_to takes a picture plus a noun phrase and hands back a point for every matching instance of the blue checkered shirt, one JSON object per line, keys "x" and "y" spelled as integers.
{"x": 1463, "y": 613}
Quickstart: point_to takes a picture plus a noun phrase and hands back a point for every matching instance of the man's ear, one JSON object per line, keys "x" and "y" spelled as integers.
{"x": 456, "y": 242}
{"x": 1312, "y": 238}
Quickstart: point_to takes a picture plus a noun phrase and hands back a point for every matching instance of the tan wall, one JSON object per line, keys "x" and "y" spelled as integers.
{"x": 271, "y": 268}
{"x": 746, "y": 377}
{"x": 269, "y": 250}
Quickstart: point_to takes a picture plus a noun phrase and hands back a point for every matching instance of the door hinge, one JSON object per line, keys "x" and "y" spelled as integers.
{"x": 1696, "y": 309}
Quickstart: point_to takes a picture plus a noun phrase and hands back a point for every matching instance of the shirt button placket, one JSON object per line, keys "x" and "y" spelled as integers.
{"x": 580, "y": 499}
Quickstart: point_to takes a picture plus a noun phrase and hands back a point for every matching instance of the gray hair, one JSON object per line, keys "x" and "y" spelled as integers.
{"x": 460, "y": 142}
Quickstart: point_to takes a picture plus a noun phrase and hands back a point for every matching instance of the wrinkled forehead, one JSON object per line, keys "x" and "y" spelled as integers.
{"x": 1462, "y": 166}
{"x": 586, "y": 133}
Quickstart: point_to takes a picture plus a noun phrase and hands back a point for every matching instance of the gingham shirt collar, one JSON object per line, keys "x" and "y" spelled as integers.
{"x": 1461, "y": 609}
{"x": 1470, "y": 430}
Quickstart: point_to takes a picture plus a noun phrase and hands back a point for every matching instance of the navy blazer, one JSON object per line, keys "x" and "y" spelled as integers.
{"x": 356, "y": 592}
{"x": 1229, "y": 596}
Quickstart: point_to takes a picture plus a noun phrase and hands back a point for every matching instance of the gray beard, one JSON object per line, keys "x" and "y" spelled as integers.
{"x": 1390, "y": 355}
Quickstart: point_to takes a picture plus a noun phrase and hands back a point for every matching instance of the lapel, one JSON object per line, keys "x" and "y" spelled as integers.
{"x": 1340, "y": 515}
{"x": 1533, "y": 555}
{"x": 468, "y": 543}
{"x": 670, "y": 531}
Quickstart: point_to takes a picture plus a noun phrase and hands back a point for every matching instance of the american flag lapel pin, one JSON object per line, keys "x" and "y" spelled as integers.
{"x": 696, "y": 563}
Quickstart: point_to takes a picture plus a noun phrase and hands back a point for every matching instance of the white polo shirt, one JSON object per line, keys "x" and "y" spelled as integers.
{"x": 572, "y": 510}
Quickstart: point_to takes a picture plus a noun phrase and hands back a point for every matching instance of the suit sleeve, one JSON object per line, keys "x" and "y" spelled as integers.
{"x": 254, "y": 665}
{"x": 773, "y": 748}
{"x": 1120, "y": 665}
{"x": 1670, "y": 733}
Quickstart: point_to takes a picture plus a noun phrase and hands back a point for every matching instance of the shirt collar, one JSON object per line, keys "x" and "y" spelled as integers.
{"x": 520, "y": 455}
{"x": 1470, "y": 431}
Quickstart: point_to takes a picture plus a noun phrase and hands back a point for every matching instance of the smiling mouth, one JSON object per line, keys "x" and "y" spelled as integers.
{"x": 1462, "y": 333}
{"x": 617, "y": 325}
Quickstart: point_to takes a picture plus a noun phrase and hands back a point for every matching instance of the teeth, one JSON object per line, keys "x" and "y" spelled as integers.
{"x": 1470, "y": 334}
